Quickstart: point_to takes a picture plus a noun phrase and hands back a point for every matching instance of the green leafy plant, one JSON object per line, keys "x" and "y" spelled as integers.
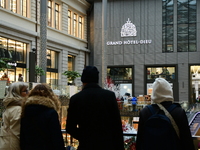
{"x": 71, "y": 75}
{"x": 3, "y": 64}
{"x": 39, "y": 71}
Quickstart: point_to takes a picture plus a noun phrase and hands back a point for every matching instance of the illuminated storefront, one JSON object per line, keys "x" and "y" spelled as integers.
{"x": 16, "y": 52}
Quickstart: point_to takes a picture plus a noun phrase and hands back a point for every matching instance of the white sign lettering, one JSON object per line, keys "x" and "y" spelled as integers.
{"x": 127, "y": 30}
{"x": 129, "y": 42}
{"x": 12, "y": 64}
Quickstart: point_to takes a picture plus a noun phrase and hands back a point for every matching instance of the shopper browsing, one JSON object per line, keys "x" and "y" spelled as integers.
{"x": 175, "y": 133}
{"x": 40, "y": 126}
{"x": 10, "y": 126}
{"x": 93, "y": 116}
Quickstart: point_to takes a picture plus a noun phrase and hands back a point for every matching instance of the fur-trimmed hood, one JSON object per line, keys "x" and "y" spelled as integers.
{"x": 40, "y": 100}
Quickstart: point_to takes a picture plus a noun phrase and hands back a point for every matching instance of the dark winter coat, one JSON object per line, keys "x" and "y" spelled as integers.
{"x": 179, "y": 115}
{"x": 40, "y": 126}
{"x": 96, "y": 113}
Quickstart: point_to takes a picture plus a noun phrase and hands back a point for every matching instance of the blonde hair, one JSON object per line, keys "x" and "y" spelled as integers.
{"x": 15, "y": 89}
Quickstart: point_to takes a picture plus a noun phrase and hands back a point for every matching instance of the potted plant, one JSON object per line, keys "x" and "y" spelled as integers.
{"x": 38, "y": 72}
{"x": 3, "y": 64}
{"x": 71, "y": 75}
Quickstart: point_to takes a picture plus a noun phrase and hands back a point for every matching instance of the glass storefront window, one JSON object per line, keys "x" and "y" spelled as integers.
{"x": 52, "y": 59}
{"x": 52, "y": 78}
{"x": 16, "y": 52}
{"x": 119, "y": 80}
{"x": 20, "y": 51}
{"x": 71, "y": 62}
{"x": 119, "y": 73}
{"x": 21, "y": 71}
{"x": 166, "y": 72}
{"x": 195, "y": 83}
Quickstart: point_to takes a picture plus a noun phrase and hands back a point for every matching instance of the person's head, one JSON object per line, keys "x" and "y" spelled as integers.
{"x": 5, "y": 75}
{"x": 20, "y": 75}
{"x": 127, "y": 94}
{"x": 45, "y": 90}
{"x": 90, "y": 74}
{"x": 17, "y": 89}
{"x": 162, "y": 91}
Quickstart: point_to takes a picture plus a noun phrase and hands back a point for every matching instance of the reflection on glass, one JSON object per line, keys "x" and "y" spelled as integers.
{"x": 20, "y": 71}
{"x": 119, "y": 73}
{"x": 167, "y": 73}
{"x": 69, "y": 22}
{"x": 52, "y": 59}
{"x": 52, "y": 78}
{"x": 71, "y": 62}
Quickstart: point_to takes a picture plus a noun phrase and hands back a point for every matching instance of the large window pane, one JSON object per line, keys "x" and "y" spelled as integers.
{"x": 3, "y": 3}
{"x": 182, "y": 47}
{"x": 80, "y": 27}
{"x": 24, "y": 8}
{"x": 57, "y": 17}
{"x": 183, "y": 28}
{"x": 75, "y": 25}
{"x": 119, "y": 73}
{"x": 71, "y": 62}
{"x": 69, "y": 22}
{"x": 19, "y": 52}
{"x": 186, "y": 27}
{"x": 167, "y": 73}
{"x": 52, "y": 59}
{"x": 13, "y": 6}
{"x": 49, "y": 13}
{"x": 167, "y": 28}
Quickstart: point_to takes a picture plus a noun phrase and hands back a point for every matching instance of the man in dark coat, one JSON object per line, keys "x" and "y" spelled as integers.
{"x": 163, "y": 94}
{"x": 93, "y": 116}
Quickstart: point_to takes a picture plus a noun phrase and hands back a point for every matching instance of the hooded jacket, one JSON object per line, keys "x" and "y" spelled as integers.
{"x": 10, "y": 129}
{"x": 40, "y": 126}
{"x": 162, "y": 93}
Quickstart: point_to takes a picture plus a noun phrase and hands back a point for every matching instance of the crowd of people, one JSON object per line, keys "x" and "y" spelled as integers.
{"x": 31, "y": 118}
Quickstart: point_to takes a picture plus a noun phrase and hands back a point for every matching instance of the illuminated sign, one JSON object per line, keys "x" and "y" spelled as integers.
{"x": 12, "y": 64}
{"x": 129, "y": 30}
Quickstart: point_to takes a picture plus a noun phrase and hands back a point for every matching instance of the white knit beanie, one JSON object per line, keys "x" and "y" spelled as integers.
{"x": 162, "y": 91}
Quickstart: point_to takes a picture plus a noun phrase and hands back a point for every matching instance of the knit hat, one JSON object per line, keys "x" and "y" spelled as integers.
{"x": 162, "y": 91}
{"x": 127, "y": 94}
{"x": 90, "y": 75}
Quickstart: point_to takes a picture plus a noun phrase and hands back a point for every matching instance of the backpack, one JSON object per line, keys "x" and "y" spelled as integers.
{"x": 159, "y": 133}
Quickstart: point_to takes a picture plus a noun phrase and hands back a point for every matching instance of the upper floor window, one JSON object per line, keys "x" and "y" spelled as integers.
{"x": 53, "y": 14}
{"x": 75, "y": 24}
{"x": 80, "y": 27}
{"x": 3, "y": 3}
{"x": 186, "y": 25}
{"x": 15, "y": 51}
{"x": 24, "y": 8}
{"x": 57, "y": 16}
{"x": 69, "y": 22}
{"x": 13, "y": 5}
{"x": 167, "y": 26}
{"x": 49, "y": 12}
